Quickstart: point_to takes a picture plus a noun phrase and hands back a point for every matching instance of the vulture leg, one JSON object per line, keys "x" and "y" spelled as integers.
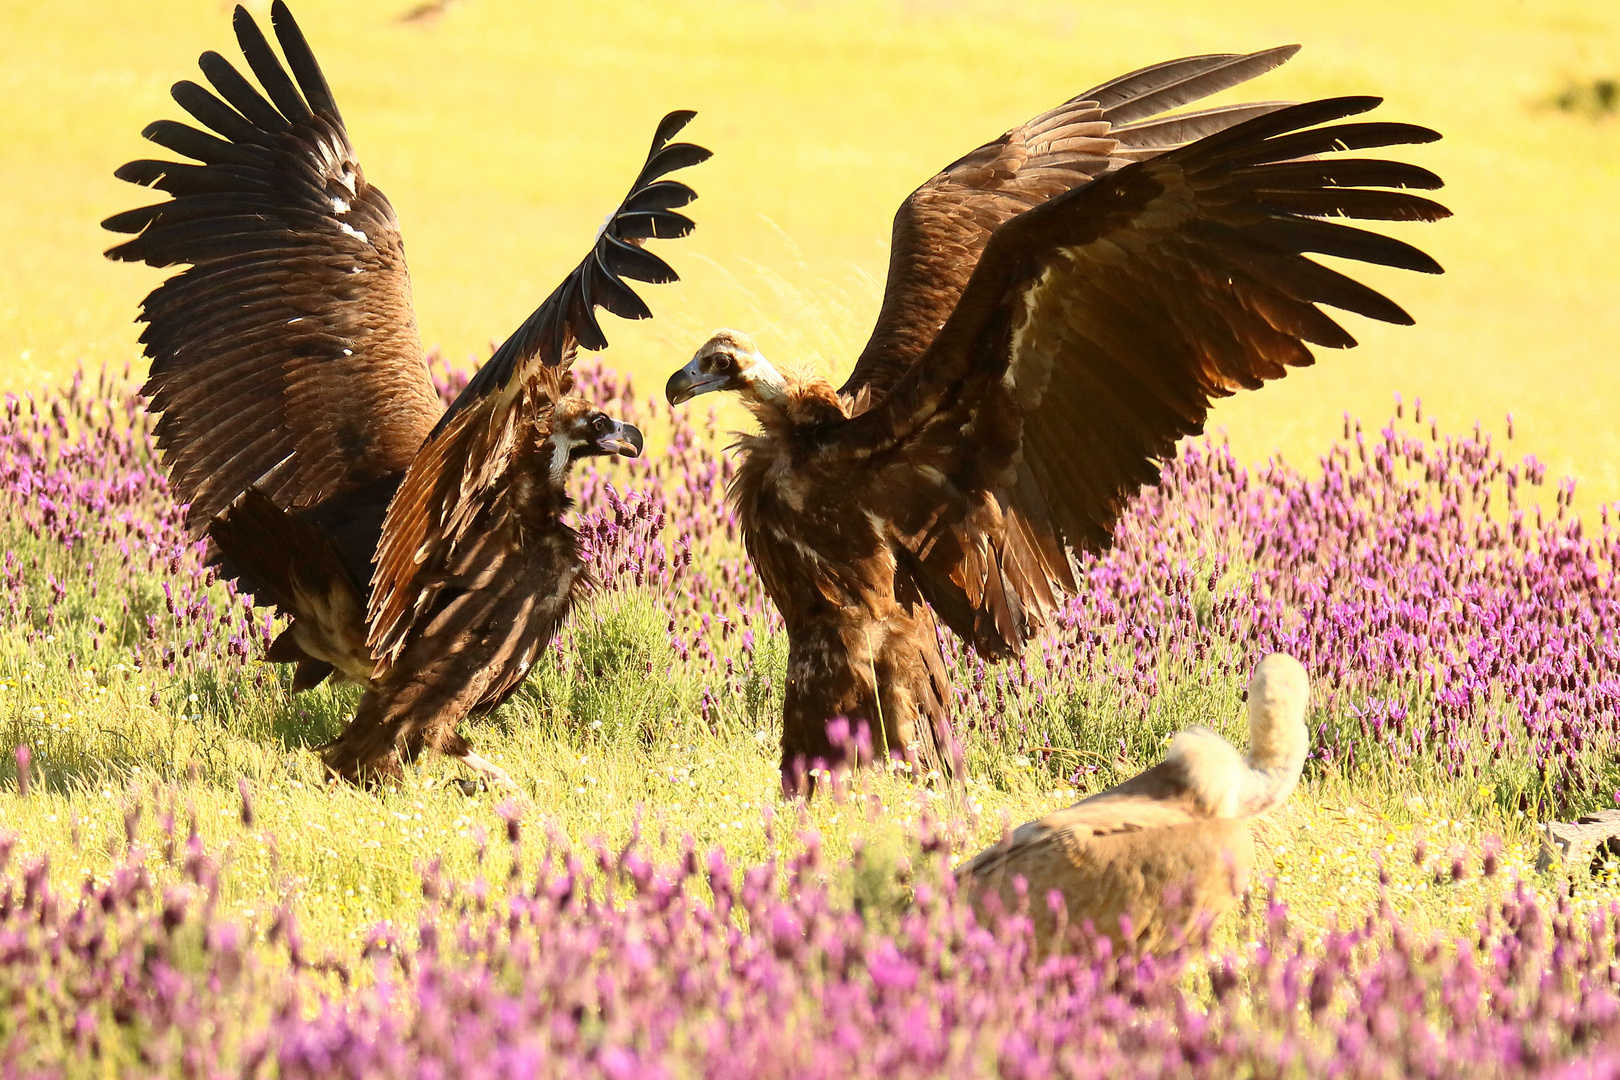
{"x": 887, "y": 675}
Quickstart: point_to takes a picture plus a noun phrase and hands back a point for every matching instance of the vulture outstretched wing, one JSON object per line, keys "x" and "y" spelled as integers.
{"x": 941, "y": 228}
{"x": 460, "y": 472}
{"x": 567, "y": 318}
{"x": 287, "y": 355}
{"x": 940, "y": 232}
{"x": 1097, "y": 328}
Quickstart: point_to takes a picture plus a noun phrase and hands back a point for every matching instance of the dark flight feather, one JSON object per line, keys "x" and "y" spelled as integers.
{"x": 566, "y": 319}
{"x": 289, "y": 344}
{"x": 1154, "y": 272}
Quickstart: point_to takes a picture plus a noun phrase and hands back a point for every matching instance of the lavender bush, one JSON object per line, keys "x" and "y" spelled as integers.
{"x": 607, "y": 964}
{"x": 1465, "y": 665}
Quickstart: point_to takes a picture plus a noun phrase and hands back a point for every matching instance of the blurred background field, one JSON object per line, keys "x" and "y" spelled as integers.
{"x": 504, "y": 131}
{"x": 1460, "y": 699}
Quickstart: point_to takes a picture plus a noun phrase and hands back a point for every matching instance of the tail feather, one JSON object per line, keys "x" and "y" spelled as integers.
{"x": 293, "y": 565}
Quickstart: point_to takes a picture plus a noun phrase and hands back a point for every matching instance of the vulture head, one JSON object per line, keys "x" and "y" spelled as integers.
{"x": 580, "y": 430}
{"x": 728, "y": 361}
{"x": 1279, "y": 693}
{"x": 1222, "y": 783}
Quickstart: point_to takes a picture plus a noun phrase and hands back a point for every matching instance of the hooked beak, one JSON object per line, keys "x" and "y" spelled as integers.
{"x": 691, "y": 381}
{"x": 621, "y": 439}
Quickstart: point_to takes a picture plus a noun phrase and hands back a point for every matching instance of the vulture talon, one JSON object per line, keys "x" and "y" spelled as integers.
{"x": 1062, "y": 306}
{"x": 418, "y": 550}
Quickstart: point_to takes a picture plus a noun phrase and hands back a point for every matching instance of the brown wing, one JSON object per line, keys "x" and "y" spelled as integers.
{"x": 941, "y": 228}
{"x": 287, "y": 354}
{"x": 467, "y": 464}
{"x": 1098, "y": 327}
{"x": 567, "y": 318}
{"x": 455, "y": 482}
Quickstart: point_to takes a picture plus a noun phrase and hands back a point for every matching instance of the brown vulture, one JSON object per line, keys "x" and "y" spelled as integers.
{"x": 1062, "y": 306}
{"x": 420, "y": 551}
{"x": 1149, "y": 859}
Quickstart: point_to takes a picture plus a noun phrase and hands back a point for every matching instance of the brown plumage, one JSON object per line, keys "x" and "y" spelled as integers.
{"x": 1063, "y": 304}
{"x": 299, "y": 421}
{"x": 1152, "y": 861}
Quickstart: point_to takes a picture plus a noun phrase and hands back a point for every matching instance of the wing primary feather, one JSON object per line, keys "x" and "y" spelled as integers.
{"x": 240, "y": 93}
{"x": 213, "y": 112}
{"x": 670, "y": 159}
{"x": 272, "y": 76}
{"x": 1164, "y": 132}
{"x": 1352, "y": 203}
{"x": 1334, "y": 172}
{"x": 201, "y": 146}
{"x": 1288, "y": 119}
{"x": 636, "y": 262}
{"x": 671, "y": 125}
{"x": 180, "y": 178}
{"x": 301, "y": 58}
{"x": 1160, "y": 87}
{"x": 654, "y": 225}
{"x": 1302, "y": 279}
{"x": 615, "y": 295}
{"x": 660, "y": 195}
{"x": 1324, "y": 140}
{"x": 1343, "y": 241}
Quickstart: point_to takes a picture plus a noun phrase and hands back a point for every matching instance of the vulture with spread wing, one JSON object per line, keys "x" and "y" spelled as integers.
{"x": 419, "y": 551}
{"x": 1062, "y": 306}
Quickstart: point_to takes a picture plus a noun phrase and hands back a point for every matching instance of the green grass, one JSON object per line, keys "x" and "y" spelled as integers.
{"x": 601, "y": 750}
